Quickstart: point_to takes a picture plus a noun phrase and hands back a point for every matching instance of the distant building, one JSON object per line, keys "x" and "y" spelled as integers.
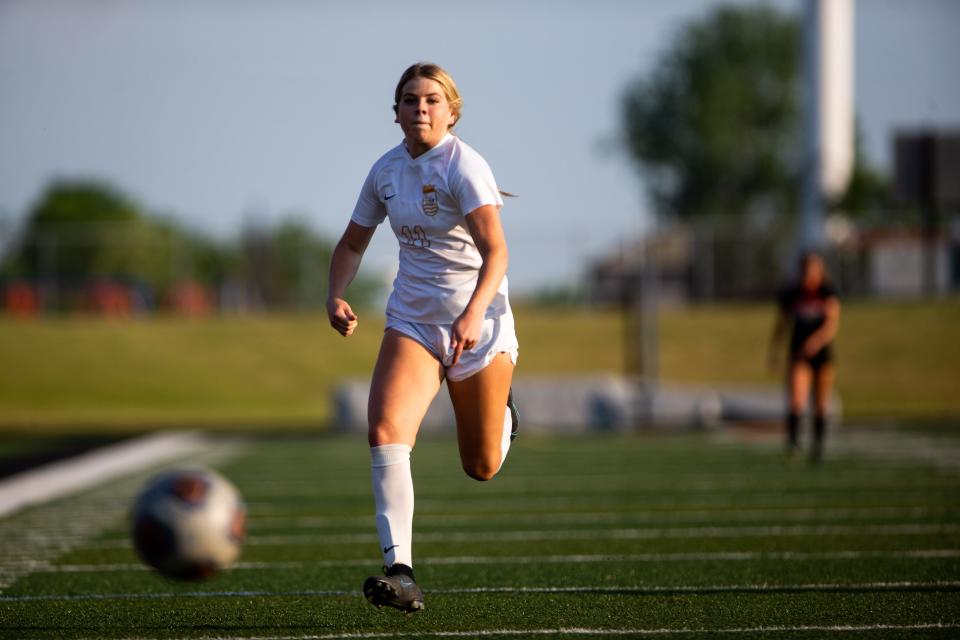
{"x": 687, "y": 264}
{"x": 899, "y": 263}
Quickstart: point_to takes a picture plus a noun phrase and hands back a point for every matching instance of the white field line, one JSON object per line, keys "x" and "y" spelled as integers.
{"x": 583, "y": 631}
{"x": 939, "y": 585}
{"x": 36, "y": 536}
{"x": 899, "y": 448}
{"x": 66, "y": 477}
{"x": 720, "y": 556}
{"x": 595, "y": 534}
{"x": 862, "y": 482}
{"x": 808, "y": 498}
{"x": 318, "y": 490}
{"x": 261, "y": 519}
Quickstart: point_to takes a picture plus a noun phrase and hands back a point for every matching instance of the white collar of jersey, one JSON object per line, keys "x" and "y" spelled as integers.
{"x": 429, "y": 152}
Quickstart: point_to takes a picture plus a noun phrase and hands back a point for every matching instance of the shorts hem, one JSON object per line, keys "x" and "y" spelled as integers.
{"x": 402, "y": 330}
{"x": 513, "y": 352}
{"x": 474, "y": 362}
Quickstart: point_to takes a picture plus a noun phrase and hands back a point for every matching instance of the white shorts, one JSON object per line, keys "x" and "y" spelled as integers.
{"x": 496, "y": 336}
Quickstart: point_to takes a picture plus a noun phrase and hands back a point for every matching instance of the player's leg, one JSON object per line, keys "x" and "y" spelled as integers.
{"x": 484, "y": 421}
{"x": 798, "y": 389}
{"x": 405, "y": 380}
{"x": 822, "y": 388}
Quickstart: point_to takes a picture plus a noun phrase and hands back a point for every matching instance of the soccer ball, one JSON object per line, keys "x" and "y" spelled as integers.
{"x": 188, "y": 524}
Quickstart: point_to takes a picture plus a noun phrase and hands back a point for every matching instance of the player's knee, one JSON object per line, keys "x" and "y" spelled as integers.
{"x": 482, "y": 468}
{"x": 383, "y": 431}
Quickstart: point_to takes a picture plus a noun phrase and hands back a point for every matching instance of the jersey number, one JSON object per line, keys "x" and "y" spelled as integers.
{"x": 415, "y": 238}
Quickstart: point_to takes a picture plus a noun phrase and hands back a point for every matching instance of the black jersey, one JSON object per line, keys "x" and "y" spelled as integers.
{"x": 806, "y": 311}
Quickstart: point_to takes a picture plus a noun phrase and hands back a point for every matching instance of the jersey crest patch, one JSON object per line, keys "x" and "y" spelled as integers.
{"x": 430, "y": 205}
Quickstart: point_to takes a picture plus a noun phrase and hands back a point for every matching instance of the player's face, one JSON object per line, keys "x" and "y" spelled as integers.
{"x": 812, "y": 273}
{"x": 424, "y": 114}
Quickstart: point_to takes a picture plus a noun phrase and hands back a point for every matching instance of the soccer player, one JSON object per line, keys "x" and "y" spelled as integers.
{"x": 810, "y": 308}
{"x": 448, "y": 317}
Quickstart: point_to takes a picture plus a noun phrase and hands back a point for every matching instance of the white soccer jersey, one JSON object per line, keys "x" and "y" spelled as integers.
{"x": 427, "y": 199}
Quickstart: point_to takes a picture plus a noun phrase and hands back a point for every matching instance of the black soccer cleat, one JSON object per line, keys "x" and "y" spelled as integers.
{"x": 514, "y": 416}
{"x": 395, "y": 589}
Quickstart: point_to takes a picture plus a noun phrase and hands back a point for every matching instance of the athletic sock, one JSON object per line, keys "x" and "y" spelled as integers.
{"x": 393, "y": 496}
{"x": 819, "y": 428}
{"x": 505, "y": 437}
{"x": 793, "y": 428}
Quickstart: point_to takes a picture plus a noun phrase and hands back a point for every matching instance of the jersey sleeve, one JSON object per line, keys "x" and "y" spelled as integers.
{"x": 369, "y": 210}
{"x": 472, "y": 183}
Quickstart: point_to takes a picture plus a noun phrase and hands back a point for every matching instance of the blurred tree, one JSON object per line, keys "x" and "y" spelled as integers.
{"x": 287, "y": 266}
{"x": 714, "y": 128}
{"x": 868, "y": 191}
{"x": 67, "y": 228}
{"x": 82, "y": 232}
{"x": 303, "y": 263}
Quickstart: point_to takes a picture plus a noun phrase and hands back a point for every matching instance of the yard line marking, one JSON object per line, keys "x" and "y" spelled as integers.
{"x": 950, "y": 585}
{"x": 69, "y": 476}
{"x": 918, "y": 554}
{"x": 577, "y": 484}
{"x": 35, "y": 537}
{"x": 896, "y": 448}
{"x": 756, "y": 488}
{"x": 625, "y": 533}
{"x": 898, "y": 445}
{"x": 584, "y": 631}
{"x": 941, "y": 585}
{"x": 660, "y": 533}
{"x": 524, "y": 504}
{"x": 258, "y": 520}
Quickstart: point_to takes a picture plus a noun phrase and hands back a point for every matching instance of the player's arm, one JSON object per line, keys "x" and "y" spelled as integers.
{"x": 828, "y": 330}
{"x": 484, "y": 225}
{"x": 343, "y": 268}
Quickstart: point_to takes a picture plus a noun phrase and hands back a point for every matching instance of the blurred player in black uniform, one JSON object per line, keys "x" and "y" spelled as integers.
{"x": 810, "y": 308}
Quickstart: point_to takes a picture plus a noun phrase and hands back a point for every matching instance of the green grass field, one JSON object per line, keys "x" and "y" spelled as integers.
{"x": 895, "y": 360}
{"x": 688, "y": 536}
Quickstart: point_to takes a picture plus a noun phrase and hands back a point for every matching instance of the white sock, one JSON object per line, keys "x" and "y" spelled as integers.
{"x": 505, "y": 438}
{"x": 393, "y": 495}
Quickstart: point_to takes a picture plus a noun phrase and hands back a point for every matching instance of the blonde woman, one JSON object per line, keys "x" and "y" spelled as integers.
{"x": 448, "y": 317}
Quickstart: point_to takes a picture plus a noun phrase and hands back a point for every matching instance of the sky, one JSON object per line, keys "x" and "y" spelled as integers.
{"x": 223, "y": 113}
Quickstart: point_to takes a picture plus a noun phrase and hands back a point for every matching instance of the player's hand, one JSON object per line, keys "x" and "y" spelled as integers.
{"x": 342, "y": 317}
{"x": 465, "y": 333}
{"x": 811, "y": 347}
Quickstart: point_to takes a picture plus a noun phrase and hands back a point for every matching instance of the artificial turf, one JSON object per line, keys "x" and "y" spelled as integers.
{"x": 693, "y": 535}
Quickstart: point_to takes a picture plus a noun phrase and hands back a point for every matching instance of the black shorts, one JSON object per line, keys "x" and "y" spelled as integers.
{"x": 817, "y": 360}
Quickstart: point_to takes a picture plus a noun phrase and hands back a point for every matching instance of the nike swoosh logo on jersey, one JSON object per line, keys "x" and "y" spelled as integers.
{"x": 392, "y": 195}
{"x": 385, "y": 549}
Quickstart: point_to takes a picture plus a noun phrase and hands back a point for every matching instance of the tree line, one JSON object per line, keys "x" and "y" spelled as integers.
{"x": 84, "y": 239}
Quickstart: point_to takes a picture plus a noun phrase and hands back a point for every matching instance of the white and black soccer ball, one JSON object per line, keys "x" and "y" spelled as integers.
{"x": 188, "y": 524}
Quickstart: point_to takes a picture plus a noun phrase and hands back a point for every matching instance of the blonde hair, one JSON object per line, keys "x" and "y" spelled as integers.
{"x": 437, "y": 74}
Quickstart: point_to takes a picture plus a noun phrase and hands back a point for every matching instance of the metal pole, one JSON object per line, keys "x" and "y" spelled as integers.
{"x": 827, "y": 112}
{"x": 644, "y": 335}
